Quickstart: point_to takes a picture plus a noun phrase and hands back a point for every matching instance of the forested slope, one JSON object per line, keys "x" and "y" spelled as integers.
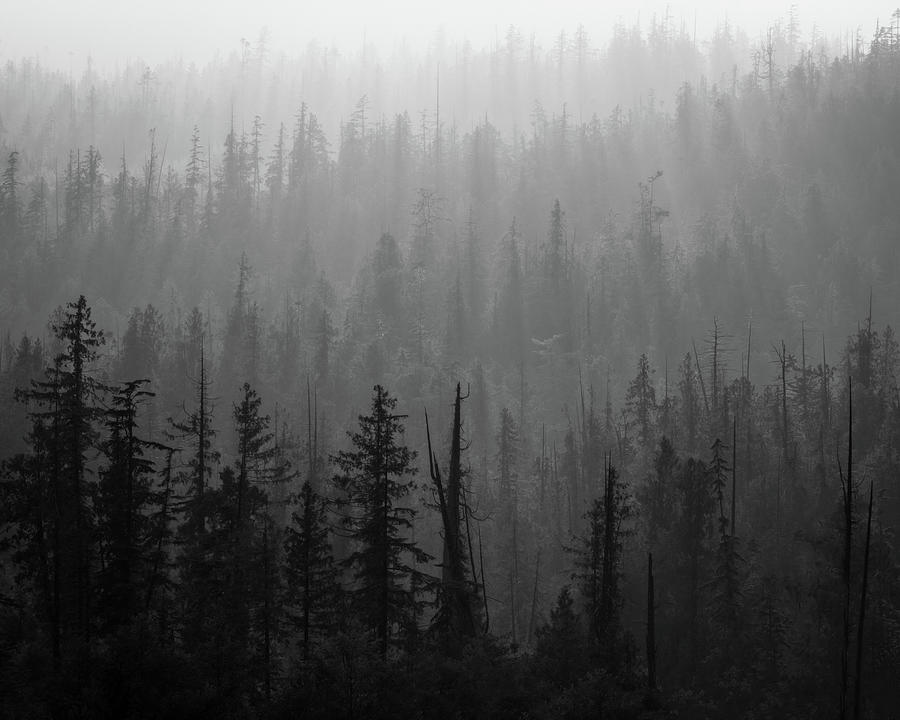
{"x": 664, "y": 312}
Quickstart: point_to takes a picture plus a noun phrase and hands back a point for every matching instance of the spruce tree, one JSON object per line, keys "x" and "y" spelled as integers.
{"x": 311, "y": 589}
{"x": 124, "y": 502}
{"x": 258, "y": 467}
{"x": 641, "y": 402}
{"x": 64, "y": 416}
{"x": 508, "y": 514}
{"x": 376, "y": 476}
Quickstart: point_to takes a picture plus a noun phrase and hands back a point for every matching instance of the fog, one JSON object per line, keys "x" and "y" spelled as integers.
{"x": 64, "y": 34}
{"x": 389, "y": 360}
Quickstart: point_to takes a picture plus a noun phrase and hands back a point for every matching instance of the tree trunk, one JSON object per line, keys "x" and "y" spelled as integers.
{"x": 857, "y": 688}
{"x": 651, "y": 626}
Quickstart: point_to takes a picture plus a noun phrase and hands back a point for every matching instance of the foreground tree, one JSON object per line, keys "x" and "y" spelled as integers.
{"x": 376, "y": 477}
{"x": 311, "y": 588}
{"x": 458, "y": 596}
{"x": 65, "y": 405}
{"x": 598, "y": 560}
{"x": 125, "y": 504}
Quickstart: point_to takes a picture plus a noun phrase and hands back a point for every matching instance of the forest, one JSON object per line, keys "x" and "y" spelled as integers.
{"x": 517, "y": 382}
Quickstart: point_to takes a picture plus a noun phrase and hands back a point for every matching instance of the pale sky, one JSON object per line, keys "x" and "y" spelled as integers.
{"x": 63, "y": 32}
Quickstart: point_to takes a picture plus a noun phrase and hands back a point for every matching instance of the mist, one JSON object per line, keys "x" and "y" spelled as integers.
{"x": 63, "y": 35}
{"x": 416, "y": 360}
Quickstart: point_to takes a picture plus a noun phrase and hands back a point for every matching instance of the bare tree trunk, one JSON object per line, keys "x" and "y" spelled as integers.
{"x": 847, "y": 488}
{"x": 733, "y": 471}
{"x": 651, "y": 626}
{"x": 857, "y": 688}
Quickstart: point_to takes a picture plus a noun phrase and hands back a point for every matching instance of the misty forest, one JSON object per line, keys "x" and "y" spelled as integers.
{"x": 530, "y": 381}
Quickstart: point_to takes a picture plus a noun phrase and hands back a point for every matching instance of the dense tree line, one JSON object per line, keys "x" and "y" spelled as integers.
{"x": 230, "y": 500}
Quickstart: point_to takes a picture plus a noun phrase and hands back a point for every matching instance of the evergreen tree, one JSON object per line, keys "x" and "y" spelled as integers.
{"x": 35, "y": 221}
{"x": 693, "y": 530}
{"x": 312, "y": 592}
{"x": 193, "y": 179}
{"x": 641, "y": 402}
{"x": 598, "y": 561}
{"x": 65, "y": 414}
{"x": 509, "y": 312}
{"x": 555, "y": 251}
{"x": 560, "y": 643}
{"x": 719, "y": 469}
{"x": 259, "y": 466}
{"x": 690, "y": 403}
{"x": 10, "y": 205}
{"x": 509, "y": 542}
{"x": 125, "y": 500}
{"x": 376, "y": 476}
{"x": 657, "y": 496}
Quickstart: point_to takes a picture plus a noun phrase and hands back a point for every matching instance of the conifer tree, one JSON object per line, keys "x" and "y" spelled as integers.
{"x": 719, "y": 469}
{"x": 508, "y": 513}
{"x": 124, "y": 502}
{"x": 641, "y": 402}
{"x": 598, "y": 560}
{"x": 693, "y": 529}
{"x": 195, "y": 534}
{"x": 658, "y": 494}
{"x": 561, "y": 642}
{"x": 312, "y": 592}
{"x": 376, "y": 477}
{"x": 66, "y": 413}
{"x": 555, "y": 252}
{"x": 10, "y": 205}
{"x": 259, "y": 466}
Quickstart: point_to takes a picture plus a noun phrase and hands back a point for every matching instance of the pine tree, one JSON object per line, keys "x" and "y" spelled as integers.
{"x": 560, "y": 643}
{"x": 657, "y": 495}
{"x": 508, "y": 514}
{"x": 197, "y": 430}
{"x": 693, "y": 529}
{"x": 555, "y": 252}
{"x": 509, "y": 313}
{"x": 132, "y": 526}
{"x": 196, "y": 568}
{"x": 124, "y": 502}
{"x": 193, "y": 177}
{"x": 238, "y": 345}
{"x": 690, "y": 403}
{"x": 456, "y": 335}
{"x": 376, "y": 476}
{"x": 35, "y": 220}
{"x": 312, "y": 592}
{"x": 641, "y": 402}
{"x": 65, "y": 416}
{"x": 324, "y": 336}
{"x": 10, "y": 206}
{"x": 29, "y": 520}
{"x": 598, "y": 560}
{"x": 719, "y": 469}
{"x": 259, "y": 466}
{"x": 569, "y": 479}
{"x": 275, "y": 172}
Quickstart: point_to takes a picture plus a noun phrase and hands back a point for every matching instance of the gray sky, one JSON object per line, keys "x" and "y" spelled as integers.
{"x": 63, "y": 32}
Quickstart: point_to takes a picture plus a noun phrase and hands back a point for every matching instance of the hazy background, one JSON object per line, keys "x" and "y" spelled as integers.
{"x": 655, "y": 237}
{"x": 62, "y": 33}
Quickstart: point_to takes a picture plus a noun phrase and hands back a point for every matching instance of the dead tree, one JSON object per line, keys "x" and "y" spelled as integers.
{"x": 847, "y": 491}
{"x": 857, "y": 688}
{"x": 455, "y": 613}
